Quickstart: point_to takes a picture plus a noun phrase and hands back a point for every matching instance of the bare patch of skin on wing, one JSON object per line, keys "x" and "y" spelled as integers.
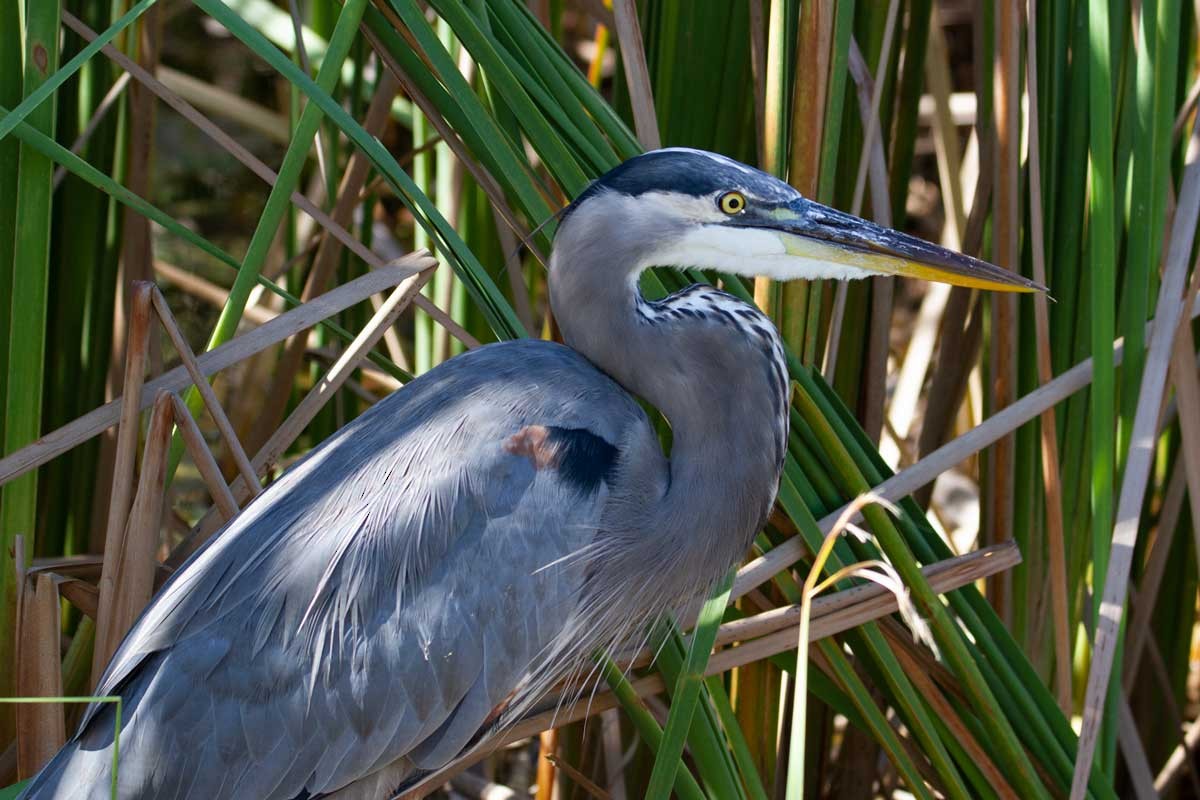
{"x": 534, "y": 442}
{"x": 582, "y": 459}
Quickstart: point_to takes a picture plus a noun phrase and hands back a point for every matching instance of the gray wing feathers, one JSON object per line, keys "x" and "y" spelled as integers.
{"x": 377, "y": 603}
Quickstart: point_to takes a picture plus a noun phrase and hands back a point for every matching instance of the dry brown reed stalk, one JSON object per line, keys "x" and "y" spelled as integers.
{"x": 374, "y": 380}
{"x": 1172, "y": 302}
{"x": 137, "y": 256}
{"x": 206, "y": 392}
{"x": 850, "y": 608}
{"x": 127, "y": 582}
{"x": 776, "y": 631}
{"x": 84, "y": 566}
{"x": 758, "y": 66}
{"x": 809, "y": 89}
{"x": 1158, "y": 551}
{"x": 391, "y": 339}
{"x": 305, "y": 316}
{"x": 41, "y": 728}
{"x": 136, "y": 263}
{"x": 1139, "y": 642}
{"x": 315, "y": 400}
{"x": 193, "y": 439}
{"x": 81, "y": 594}
{"x": 900, "y": 637}
{"x": 138, "y": 340}
{"x": 1055, "y": 531}
{"x": 637, "y": 74}
{"x": 1006, "y": 222}
{"x": 871, "y": 86}
{"x": 85, "y": 596}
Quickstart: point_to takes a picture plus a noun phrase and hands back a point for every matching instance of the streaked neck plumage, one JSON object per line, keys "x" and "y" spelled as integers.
{"x": 710, "y": 363}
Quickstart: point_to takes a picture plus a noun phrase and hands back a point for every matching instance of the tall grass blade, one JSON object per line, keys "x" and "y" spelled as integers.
{"x": 684, "y": 783}
{"x": 705, "y": 739}
{"x": 637, "y": 75}
{"x": 26, "y": 334}
{"x": 687, "y": 691}
{"x": 1102, "y": 298}
{"x": 11, "y": 92}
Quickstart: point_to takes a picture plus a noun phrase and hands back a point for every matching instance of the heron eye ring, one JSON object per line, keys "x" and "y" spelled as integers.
{"x": 732, "y": 202}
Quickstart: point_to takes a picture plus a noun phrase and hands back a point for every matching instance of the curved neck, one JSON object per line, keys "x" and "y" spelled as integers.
{"x": 709, "y": 363}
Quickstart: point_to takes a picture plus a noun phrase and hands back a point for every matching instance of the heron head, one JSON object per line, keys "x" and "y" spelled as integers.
{"x": 691, "y": 208}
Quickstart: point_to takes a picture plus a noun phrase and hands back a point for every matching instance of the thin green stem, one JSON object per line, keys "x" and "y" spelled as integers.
{"x": 25, "y": 338}
{"x": 1102, "y": 273}
{"x": 685, "y": 784}
{"x": 687, "y": 691}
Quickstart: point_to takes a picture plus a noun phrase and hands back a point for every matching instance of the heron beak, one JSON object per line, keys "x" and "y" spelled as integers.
{"x": 812, "y": 231}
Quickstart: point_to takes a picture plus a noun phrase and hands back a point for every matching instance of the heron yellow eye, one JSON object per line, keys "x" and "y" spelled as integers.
{"x": 732, "y": 203}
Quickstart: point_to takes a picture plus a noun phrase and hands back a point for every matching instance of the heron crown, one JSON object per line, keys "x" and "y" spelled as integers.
{"x": 691, "y": 173}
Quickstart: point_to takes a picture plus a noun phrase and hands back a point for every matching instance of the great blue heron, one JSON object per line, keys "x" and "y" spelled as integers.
{"x": 435, "y": 566}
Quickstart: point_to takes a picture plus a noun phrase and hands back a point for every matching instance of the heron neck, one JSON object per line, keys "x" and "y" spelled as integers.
{"x": 714, "y": 385}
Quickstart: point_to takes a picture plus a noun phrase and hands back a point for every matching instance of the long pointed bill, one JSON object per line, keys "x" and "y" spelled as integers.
{"x": 812, "y": 231}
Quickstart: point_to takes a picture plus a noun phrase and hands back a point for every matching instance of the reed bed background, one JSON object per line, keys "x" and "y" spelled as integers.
{"x": 238, "y": 187}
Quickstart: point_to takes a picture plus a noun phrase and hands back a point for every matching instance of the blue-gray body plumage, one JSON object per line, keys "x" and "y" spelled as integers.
{"x": 332, "y": 629}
